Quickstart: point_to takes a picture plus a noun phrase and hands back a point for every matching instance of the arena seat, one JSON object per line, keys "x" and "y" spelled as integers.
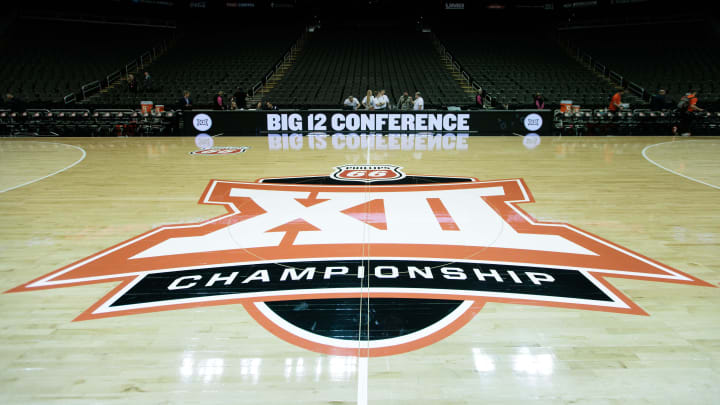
{"x": 335, "y": 64}
{"x": 674, "y": 65}
{"x": 40, "y": 70}
{"x": 514, "y": 69}
{"x": 205, "y": 64}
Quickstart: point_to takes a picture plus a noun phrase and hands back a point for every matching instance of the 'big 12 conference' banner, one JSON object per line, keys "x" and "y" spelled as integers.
{"x": 520, "y": 122}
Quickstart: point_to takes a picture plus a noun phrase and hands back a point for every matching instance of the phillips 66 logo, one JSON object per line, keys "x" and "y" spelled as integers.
{"x": 367, "y": 173}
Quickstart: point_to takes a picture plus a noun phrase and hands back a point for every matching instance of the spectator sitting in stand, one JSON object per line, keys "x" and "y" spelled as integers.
{"x": 616, "y": 101}
{"x": 658, "y": 102}
{"x": 369, "y": 101}
{"x": 351, "y": 103}
{"x": 233, "y": 104}
{"x": 539, "y": 101}
{"x": 265, "y": 105}
{"x": 185, "y": 102}
{"x": 219, "y": 101}
{"x": 147, "y": 82}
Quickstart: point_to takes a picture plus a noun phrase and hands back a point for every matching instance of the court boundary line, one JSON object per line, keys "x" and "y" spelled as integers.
{"x": 84, "y": 154}
{"x": 364, "y": 346}
{"x": 644, "y": 154}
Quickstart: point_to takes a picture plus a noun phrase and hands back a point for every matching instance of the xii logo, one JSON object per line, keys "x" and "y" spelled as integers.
{"x": 415, "y": 257}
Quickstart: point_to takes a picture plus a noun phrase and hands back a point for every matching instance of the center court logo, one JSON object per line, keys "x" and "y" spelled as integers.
{"x": 411, "y": 259}
{"x": 533, "y": 122}
{"x": 202, "y": 122}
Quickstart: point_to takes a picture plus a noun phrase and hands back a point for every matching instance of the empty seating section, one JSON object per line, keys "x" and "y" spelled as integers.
{"x": 334, "y": 65}
{"x": 513, "y": 69}
{"x": 631, "y": 122}
{"x": 41, "y": 70}
{"x": 673, "y": 65}
{"x": 337, "y": 63}
{"x": 204, "y": 65}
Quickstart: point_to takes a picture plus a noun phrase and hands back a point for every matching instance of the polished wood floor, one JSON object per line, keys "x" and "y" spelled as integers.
{"x": 507, "y": 354}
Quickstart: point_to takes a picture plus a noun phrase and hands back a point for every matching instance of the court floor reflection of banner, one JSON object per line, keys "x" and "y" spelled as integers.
{"x": 487, "y": 122}
{"x": 428, "y": 141}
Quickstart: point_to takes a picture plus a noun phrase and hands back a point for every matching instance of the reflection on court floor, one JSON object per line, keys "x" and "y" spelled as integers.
{"x": 369, "y": 141}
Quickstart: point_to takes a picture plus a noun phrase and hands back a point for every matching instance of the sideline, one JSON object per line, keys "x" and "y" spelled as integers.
{"x": 51, "y": 174}
{"x": 670, "y": 170}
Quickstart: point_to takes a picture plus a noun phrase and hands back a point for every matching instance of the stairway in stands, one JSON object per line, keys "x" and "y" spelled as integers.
{"x": 454, "y": 72}
{"x": 572, "y": 53}
{"x": 279, "y": 73}
{"x": 457, "y": 75}
{"x": 121, "y": 80}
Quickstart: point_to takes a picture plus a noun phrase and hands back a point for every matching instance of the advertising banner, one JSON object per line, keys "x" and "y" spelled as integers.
{"x": 279, "y": 122}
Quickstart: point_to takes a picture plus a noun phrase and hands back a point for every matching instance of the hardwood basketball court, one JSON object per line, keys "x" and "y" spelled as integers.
{"x": 654, "y": 199}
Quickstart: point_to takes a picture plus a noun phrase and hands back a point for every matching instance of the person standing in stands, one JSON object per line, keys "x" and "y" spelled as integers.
{"x": 405, "y": 102}
{"x": 132, "y": 83}
{"x": 539, "y": 101}
{"x": 147, "y": 82}
{"x": 686, "y": 109}
{"x": 185, "y": 101}
{"x": 658, "y": 101}
{"x": 13, "y": 103}
{"x": 419, "y": 103}
{"x": 240, "y": 97}
{"x": 616, "y": 101}
{"x": 219, "y": 101}
{"x": 351, "y": 103}
{"x": 382, "y": 102}
{"x": 369, "y": 101}
{"x": 480, "y": 98}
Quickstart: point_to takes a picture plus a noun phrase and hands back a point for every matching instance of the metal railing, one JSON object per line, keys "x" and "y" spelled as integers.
{"x": 600, "y": 68}
{"x": 70, "y": 110}
{"x": 256, "y": 87}
{"x": 113, "y": 76}
{"x": 260, "y": 86}
{"x": 145, "y": 58}
{"x": 639, "y": 90}
{"x": 457, "y": 67}
{"x": 614, "y": 76}
{"x": 133, "y": 66}
{"x": 90, "y": 88}
{"x": 70, "y": 98}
